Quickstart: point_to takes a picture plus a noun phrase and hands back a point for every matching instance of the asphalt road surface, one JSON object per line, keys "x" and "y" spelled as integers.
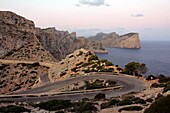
{"x": 129, "y": 84}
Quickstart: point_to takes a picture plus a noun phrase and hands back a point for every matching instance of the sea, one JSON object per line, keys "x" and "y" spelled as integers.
{"x": 155, "y": 54}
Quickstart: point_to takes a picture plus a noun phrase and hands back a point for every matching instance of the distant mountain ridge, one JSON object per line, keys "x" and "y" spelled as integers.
{"x": 130, "y": 40}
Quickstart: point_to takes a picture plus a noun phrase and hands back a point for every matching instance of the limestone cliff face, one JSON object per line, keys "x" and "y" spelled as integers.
{"x": 130, "y": 40}
{"x": 18, "y": 40}
{"x": 62, "y": 43}
{"x": 59, "y": 43}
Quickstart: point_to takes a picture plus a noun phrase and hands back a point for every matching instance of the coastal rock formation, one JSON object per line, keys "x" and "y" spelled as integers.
{"x": 18, "y": 40}
{"x": 96, "y": 47}
{"x": 130, "y": 40}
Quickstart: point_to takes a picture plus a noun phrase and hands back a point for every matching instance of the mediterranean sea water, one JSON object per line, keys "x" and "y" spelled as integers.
{"x": 155, "y": 54}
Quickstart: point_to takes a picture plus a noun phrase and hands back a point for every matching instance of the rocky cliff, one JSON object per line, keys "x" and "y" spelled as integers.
{"x": 130, "y": 40}
{"x": 59, "y": 43}
{"x": 18, "y": 40}
{"x": 62, "y": 43}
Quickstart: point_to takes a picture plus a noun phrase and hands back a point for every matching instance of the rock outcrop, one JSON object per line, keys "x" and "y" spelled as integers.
{"x": 130, "y": 40}
{"x": 78, "y": 63}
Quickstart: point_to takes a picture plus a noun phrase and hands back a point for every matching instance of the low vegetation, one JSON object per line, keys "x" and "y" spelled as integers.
{"x": 54, "y": 105}
{"x": 100, "y": 96}
{"x": 131, "y": 108}
{"x": 125, "y": 101}
{"x": 151, "y": 77}
{"x": 13, "y": 109}
{"x": 129, "y": 100}
{"x": 67, "y": 105}
{"x": 161, "y": 105}
{"x": 163, "y": 82}
{"x": 109, "y": 104}
{"x": 84, "y": 107}
{"x": 97, "y": 84}
{"x": 93, "y": 64}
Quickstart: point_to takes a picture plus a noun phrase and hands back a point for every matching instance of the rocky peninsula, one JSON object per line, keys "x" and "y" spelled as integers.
{"x": 130, "y": 40}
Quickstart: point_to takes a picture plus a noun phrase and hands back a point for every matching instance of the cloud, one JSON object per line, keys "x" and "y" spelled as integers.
{"x": 77, "y": 5}
{"x": 137, "y": 15}
{"x": 93, "y": 2}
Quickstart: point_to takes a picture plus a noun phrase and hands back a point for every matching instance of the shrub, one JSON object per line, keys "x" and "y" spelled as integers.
{"x": 93, "y": 57}
{"x": 111, "y": 82}
{"x": 158, "y": 96}
{"x": 156, "y": 85}
{"x": 103, "y": 60}
{"x": 53, "y": 105}
{"x": 109, "y": 104}
{"x": 114, "y": 101}
{"x": 131, "y": 108}
{"x": 84, "y": 107}
{"x": 62, "y": 73}
{"x": 100, "y": 96}
{"x": 161, "y": 105}
{"x": 36, "y": 64}
{"x": 167, "y": 88}
{"x": 162, "y": 79}
{"x": 3, "y": 66}
{"x": 71, "y": 56}
{"x": 140, "y": 101}
{"x": 105, "y": 105}
{"x": 17, "y": 88}
{"x": 86, "y": 71}
{"x": 74, "y": 69}
{"x": 109, "y": 63}
{"x": 125, "y": 101}
{"x": 13, "y": 109}
{"x": 80, "y": 53}
{"x": 3, "y": 76}
{"x": 151, "y": 77}
{"x": 95, "y": 85}
{"x": 85, "y": 99}
{"x": 79, "y": 63}
{"x": 149, "y": 100}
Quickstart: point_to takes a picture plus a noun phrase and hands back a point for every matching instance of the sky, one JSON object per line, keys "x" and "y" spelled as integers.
{"x": 150, "y": 18}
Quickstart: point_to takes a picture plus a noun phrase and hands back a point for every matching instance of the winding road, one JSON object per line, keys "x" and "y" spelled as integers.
{"x": 130, "y": 84}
